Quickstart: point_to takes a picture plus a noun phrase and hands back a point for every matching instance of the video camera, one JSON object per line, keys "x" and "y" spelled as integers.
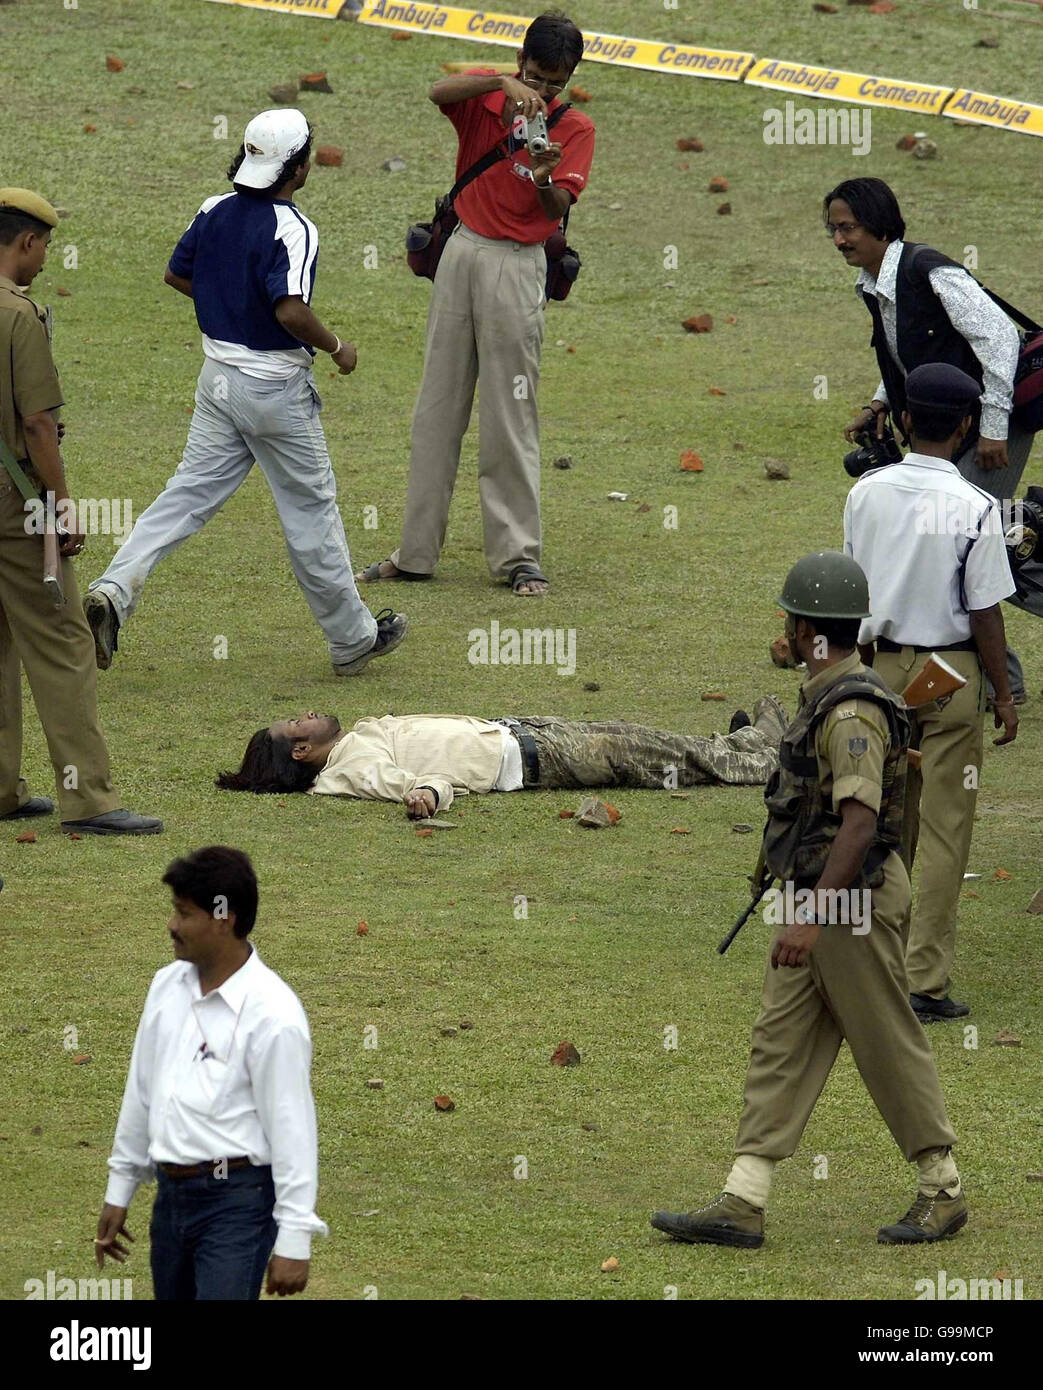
{"x": 1023, "y": 538}
{"x": 874, "y": 451}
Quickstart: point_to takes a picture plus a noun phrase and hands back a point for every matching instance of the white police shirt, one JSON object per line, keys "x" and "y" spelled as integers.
{"x": 931, "y": 546}
{"x": 218, "y": 1076}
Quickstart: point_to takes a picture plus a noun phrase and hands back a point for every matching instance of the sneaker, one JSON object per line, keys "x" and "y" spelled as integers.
{"x": 727, "y": 1221}
{"x": 119, "y": 822}
{"x": 929, "y": 1010}
{"x": 391, "y": 631}
{"x": 929, "y": 1218}
{"x": 104, "y": 625}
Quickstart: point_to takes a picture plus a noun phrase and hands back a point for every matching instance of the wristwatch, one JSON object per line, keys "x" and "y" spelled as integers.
{"x": 804, "y": 917}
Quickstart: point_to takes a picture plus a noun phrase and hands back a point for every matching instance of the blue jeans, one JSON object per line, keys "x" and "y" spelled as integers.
{"x": 212, "y": 1237}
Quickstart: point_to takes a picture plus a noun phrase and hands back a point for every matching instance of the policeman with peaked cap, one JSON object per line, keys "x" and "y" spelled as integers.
{"x": 932, "y": 548}
{"x": 54, "y": 645}
{"x": 836, "y": 970}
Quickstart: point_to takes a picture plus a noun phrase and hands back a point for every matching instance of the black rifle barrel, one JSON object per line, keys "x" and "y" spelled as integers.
{"x": 744, "y": 918}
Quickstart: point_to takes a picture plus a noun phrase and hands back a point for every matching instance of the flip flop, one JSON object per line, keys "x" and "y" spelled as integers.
{"x": 522, "y": 574}
{"x": 372, "y": 575}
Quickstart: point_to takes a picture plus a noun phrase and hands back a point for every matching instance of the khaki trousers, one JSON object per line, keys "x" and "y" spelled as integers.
{"x": 485, "y": 324}
{"x": 853, "y": 988}
{"x": 57, "y": 650}
{"x": 939, "y": 810}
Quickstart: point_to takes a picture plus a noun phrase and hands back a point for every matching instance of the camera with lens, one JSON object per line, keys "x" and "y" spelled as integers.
{"x": 874, "y": 451}
{"x": 1023, "y": 537}
{"x": 537, "y": 137}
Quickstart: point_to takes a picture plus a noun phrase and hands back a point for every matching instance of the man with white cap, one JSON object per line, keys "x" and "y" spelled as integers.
{"x": 247, "y": 261}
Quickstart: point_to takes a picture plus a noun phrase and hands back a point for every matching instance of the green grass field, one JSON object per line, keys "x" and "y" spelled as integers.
{"x": 622, "y": 925}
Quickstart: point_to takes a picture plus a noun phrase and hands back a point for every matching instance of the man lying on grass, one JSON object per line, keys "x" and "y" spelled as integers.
{"x": 423, "y": 760}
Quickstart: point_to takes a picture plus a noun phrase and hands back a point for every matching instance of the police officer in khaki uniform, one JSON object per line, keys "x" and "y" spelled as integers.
{"x": 837, "y": 966}
{"x": 54, "y": 645}
{"x": 931, "y": 545}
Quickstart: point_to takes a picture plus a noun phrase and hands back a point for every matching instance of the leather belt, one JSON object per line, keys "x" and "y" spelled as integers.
{"x": 177, "y": 1171}
{"x": 530, "y": 758}
{"x": 884, "y": 644}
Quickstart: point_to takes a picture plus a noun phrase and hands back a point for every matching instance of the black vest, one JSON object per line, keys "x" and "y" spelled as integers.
{"x": 924, "y": 331}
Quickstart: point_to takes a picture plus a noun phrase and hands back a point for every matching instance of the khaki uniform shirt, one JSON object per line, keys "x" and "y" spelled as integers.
{"x": 384, "y": 759}
{"x": 851, "y": 742}
{"x": 28, "y": 379}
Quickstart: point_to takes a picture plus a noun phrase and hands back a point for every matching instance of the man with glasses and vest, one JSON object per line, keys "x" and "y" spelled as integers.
{"x": 932, "y": 547}
{"x": 927, "y": 308}
{"x": 836, "y": 971}
{"x": 486, "y": 318}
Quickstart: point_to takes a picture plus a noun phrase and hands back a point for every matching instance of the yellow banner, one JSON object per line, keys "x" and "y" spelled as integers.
{"x": 848, "y": 86}
{"x": 1006, "y": 112}
{"x": 317, "y": 9}
{"x": 485, "y": 26}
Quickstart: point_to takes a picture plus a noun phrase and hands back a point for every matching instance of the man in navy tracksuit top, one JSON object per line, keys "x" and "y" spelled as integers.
{"x": 247, "y": 261}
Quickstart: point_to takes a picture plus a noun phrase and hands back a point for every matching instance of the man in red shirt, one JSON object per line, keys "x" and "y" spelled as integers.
{"x": 486, "y": 318}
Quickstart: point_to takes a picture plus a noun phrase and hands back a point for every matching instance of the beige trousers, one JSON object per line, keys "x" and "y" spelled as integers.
{"x": 484, "y": 325}
{"x": 57, "y": 650}
{"x": 939, "y": 810}
{"x": 853, "y": 988}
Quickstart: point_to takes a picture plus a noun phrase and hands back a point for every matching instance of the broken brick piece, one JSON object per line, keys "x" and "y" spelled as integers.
{"x": 691, "y": 462}
{"x": 907, "y": 142}
{"x": 580, "y": 94}
{"x": 444, "y": 1103}
{"x": 423, "y": 831}
{"x": 566, "y": 815}
{"x": 330, "y": 156}
{"x": 718, "y": 185}
{"x": 362, "y": 929}
{"x": 114, "y": 64}
{"x": 27, "y": 837}
{"x": 699, "y": 323}
{"x": 315, "y": 82}
{"x": 688, "y": 143}
{"x": 716, "y": 391}
{"x": 782, "y": 655}
{"x": 1001, "y": 874}
{"x": 724, "y": 210}
{"x": 679, "y": 830}
{"x": 713, "y": 695}
{"x": 610, "y": 1265}
{"x": 566, "y": 1054}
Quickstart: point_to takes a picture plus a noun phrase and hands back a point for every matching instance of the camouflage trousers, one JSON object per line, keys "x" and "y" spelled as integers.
{"x": 576, "y": 753}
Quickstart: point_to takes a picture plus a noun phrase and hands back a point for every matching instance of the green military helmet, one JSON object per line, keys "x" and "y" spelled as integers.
{"x": 826, "y": 585}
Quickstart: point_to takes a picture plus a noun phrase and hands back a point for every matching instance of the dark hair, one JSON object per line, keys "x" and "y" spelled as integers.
{"x": 268, "y": 766}
{"x": 287, "y": 171}
{"x": 873, "y": 203}
{"x": 935, "y": 425}
{"x": 841, "y": 633}
{"x": 15, "y": 223}
{"x": 216, "y": 873}
{"x": 553, "y": 41}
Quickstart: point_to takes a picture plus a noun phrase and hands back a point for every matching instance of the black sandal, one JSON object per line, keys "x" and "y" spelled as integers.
{"x": 371, "y": 574}
{"x": 524, "y": 574}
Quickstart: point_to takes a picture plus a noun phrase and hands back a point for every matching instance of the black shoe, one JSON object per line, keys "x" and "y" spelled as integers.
{"x": 929, "y": 1010}
{"x": 740, "y": 720}
{"x": 391, "y": 630}
{"x": 120, "y": 822}
{"x": 35, "y": 806}
{"x": 104, "y": 625}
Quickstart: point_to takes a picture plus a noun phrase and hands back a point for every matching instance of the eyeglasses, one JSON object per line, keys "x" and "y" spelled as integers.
{"x": 538, "y": 83}
{"x": 845, "y": 228}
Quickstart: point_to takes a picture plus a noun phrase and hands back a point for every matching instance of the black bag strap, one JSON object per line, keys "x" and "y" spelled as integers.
{"x": 493, "y": 156}
{"x": 1023, "y": 320}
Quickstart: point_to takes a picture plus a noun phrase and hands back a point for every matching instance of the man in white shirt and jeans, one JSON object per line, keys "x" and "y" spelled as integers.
{"x": 218, "y": 1104}
{"x": 931, "y": 545}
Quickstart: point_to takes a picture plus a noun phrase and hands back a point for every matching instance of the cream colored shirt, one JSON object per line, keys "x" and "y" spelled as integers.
{"x": 385, "y": 759}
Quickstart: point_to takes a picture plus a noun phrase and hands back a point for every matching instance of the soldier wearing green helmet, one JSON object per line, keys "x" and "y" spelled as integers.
{"x": 831, "y": 844}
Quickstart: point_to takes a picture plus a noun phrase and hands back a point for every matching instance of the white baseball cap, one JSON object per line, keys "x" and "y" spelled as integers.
{"x": 270, "y": 140}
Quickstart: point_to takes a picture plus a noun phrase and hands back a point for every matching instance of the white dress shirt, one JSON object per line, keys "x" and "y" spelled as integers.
{"x": 989, "y": 332}
{"x": 219, "y": 1076}
{"x": 931, "y": 546}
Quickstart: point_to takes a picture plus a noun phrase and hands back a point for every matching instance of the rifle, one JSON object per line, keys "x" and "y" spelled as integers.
{"x": 761, "y": 883}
